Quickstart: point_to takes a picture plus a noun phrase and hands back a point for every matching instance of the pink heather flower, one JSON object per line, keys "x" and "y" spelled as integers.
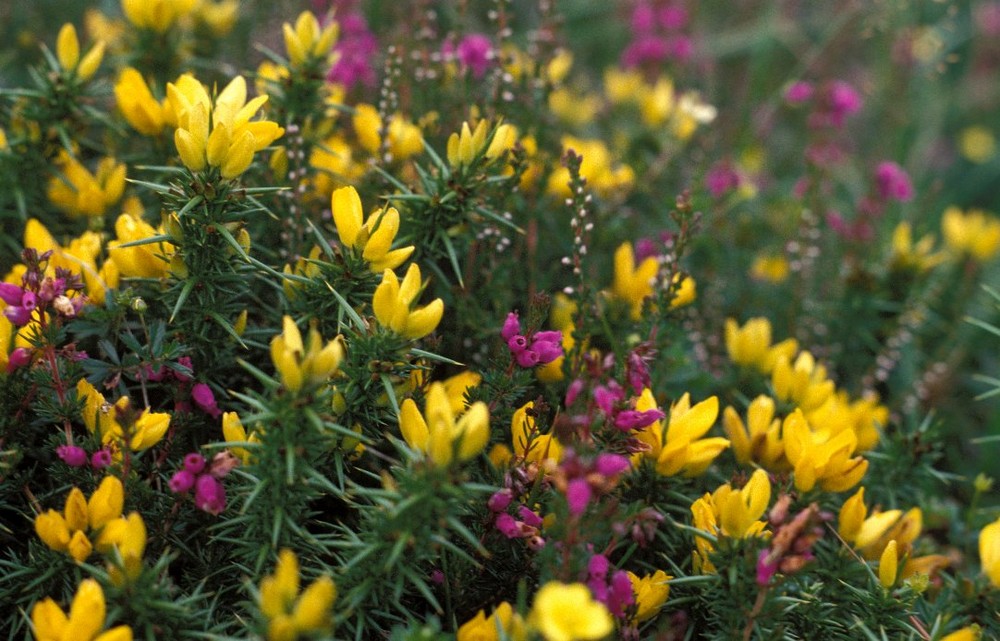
{"x": 721, "y": 179}
{"x": 628, "y": 420}
{"x": 548, "y": 346}
{"x": 608, "y": 464}
{"x": 621, "y": 594}
{"x": 527, "y": 358}
{"x": 637, "y": 373}
{"x": 643, "y": 18}
{"x": 18, "y": 315}
{"x": 437, "y": 577}
{"x": 100, "y": 459}
{"x": 578, "y": 495}
{"x": 988, "y": 18}
{"x": 20, "y": 357}
{"x": 842, "y": 100}
{"x": 222, "y": 464}
{"x": 765, "y": 570}
{"x": 573, "y": 391}
{"x": 500, "y": 500}
{"x": 799, "y": 92}
{"x": 598, "y": 566}
{"x": 645, "y": 50}
{"x": 194, "y": 463}
{"x": 185, "y": 362}
{"x": 673, "y": 17}
{"x": 507, "y": 525}
{"x": 475, "y": 52}
{"x": 205, "y": 399}
{"x": 356, "y": 49}
{"x": 209, "y": 494}
{"x": 72, "y": 455}
{"x": 517, "y": 343}
{"x": 680, "y": 48}
{"x": 529, "y": 516}
{"x": 607, "y": 396}
{"x": 10, "y": 293}
{"x": 181, "y": 481}
{"x": 511, "y": 326}
{"x": 893, "y": 182}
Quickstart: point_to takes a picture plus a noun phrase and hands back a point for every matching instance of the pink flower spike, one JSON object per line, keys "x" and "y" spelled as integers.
{"x": 181, "y": 481}
{"x": 893, "y": 182}
{"x": 507, "y": 525}
{"x": 18, "y": 358}
{"x": 611, "y": 464}
{"x": 511, "y": 326}
{"x": 573, "y": 391}
{"x": 19, "y": 316}
{"x": 100, "y": 459}
{"x": 72, "y": 455}
{"x": 529, "y": 516}
{"x": 500, "y": 500}
{"x": 10, "y": 293}
{"x": 205, "y": 399}
{"x": 527, "y": 358}
{"x": 194, "y": 463}
{"x": 598, "y": 566}
{"x": 765, "y": 570}
{"x": 209, "y": 494}
{"x": 578, "y": 495}
{"x": 799, "y": 92}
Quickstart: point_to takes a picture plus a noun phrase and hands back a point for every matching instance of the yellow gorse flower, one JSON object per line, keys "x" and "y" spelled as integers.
{"x": 750, "y": 345}
{"x": 304, "y": 364}
{"x": 488, "y": 628}
{"x": 101, "y": 419}
{"x": 604, "y": 176}
{"x": 219, "y": 16}
{"x": 371, "y": 238}
{"x": 78, "y": 192}
{"x": 306, "y": 41}
{"x": 231, "y": 141}
{"x": 136, "y": 103}
{"x": 759, "y": 440}
{"x": 469, "y": 144}
{"x": 633, "y": 284}
{"x": 888, "y": 565}
{"x": 67, "y": 531}
{"x": 989, "y": 552}
{"x": 909, "y": 256}
{"x": 732, "y": 513}
{"x": 441, "y": 435}
{"x": 157, "y": 15}
{"x": 234, "y": 432}
{"x": 802, "y": 382}
{"x": 975, "y": 233}
{"x": 970, "y": 633}
{"x": 821, "y": 456}
{"x": 528, "y": 444}
{"x": 289, "y": 613}
{"x": 127, "y": 536}
{"x": 68, "y": 54}
{"x": 393, "y": 300}
{"x": 151, "y": 260}
{"x": 83, "y": 622}
{"x": 651, "y": 592}
{"x": 568, "y": 612}
{"x": 681, "y": 448}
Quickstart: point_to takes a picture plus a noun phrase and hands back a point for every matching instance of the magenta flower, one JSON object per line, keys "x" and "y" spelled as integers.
{"x": 511, "y": 327}
{"x": 100, "y": 459}
{"x": 842, "y": 101}
{"x": 507, "y": 525}
{"x": 799, "y": 92}
{"x": 529, "y": 516}
{"x": 610, "y": 464}
{"x": 205, "y": 399}
{"x": 194, "y": 463}
{"x": 643, "y": 18}
{"x": 181, "y": 481}
{"x": 500, "y": 500}
{"x": 475, "y": 52}
{"x": 578, "y": 495}
{"x": 19, "y": 358}
{"x": 10, "y": 293}
{"x": 209, "y": 494}
{"x": 72, "y": 455}
{"x": 893, "y": 182}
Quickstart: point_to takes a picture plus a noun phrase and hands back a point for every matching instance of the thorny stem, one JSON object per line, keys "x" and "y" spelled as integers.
{"x": 755, "y": 612}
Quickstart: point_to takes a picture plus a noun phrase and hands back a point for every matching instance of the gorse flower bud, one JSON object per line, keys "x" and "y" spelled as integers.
{"x": 307, "y": 41}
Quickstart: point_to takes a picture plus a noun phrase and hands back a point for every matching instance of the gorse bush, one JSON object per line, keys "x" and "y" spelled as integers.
{"x": 500, "y": 320}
